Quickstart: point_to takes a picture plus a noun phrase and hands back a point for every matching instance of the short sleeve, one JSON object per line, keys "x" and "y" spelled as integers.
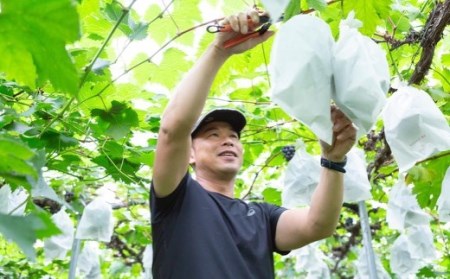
{"x": 162, "y": 206}
{"x": 274, "y": 212}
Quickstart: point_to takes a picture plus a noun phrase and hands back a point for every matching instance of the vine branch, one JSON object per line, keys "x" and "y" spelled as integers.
{"x": 258, "y": 172}
{"x": 437, "y": 21}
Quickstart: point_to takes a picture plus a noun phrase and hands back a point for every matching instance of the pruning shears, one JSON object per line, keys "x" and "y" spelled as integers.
{"x": 265, "y": 20}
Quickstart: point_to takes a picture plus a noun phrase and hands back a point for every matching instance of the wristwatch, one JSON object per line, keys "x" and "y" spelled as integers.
{"x": 337, "y": 166}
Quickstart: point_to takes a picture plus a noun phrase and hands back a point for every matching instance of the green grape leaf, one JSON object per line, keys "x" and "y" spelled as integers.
{"x": 138, "y": 30}
{"x": 427, "y": 178}
{"x": 144, "y": 156}
{"x": 245, "y": 93}
{"x": 318, "y": 5}
{"x": 67, "y": 160}
{"x": 445, "y": 59}
{"x": 17, "y": 229}
{"x": 15, "y": 164}
{"x": 117, "y": 121}
{"x": 370, "y": 12}
{"x": 13, "y": 55}
{"x": 169, "y": 71}
{"x": 119, "y": 169}
{"x": 277, "y": 158}
{"x": 54, "y": 140}
{"x": 32, "y": 42}
{"x": 398, "y": 21}
{"x": 6, "y": 89}
{"x": 133, "y": 30}
{"x": 185, "y": 15}
{"x": 444, "y": 76}
{"x": 113, "y": 149}
{"x": 6, "y": 119}
{"x": 252, "y": 152}
{"x": 115, "y": 11}
{"x": 292, "y": 9}
{"x": 272, "y": 195}
{"x": 88, "y": 8}
{"x": 25, "y": 230}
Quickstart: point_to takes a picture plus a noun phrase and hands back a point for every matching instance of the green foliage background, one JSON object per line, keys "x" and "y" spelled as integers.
{"x": 83, "y": 85}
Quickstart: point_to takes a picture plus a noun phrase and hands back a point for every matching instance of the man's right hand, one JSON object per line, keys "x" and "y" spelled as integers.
{"x": 239, "y": 24}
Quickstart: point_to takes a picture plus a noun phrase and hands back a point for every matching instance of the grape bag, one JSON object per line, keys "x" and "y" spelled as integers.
{"x": 300, "y": 178}
{"x": 311, "y": 259}
{"x": 147, "y": 262}
{"x": 412, "y": 250}
{"x": 362, "y": 266}
{"x": 415, "y": 128}
{"x": 403, "y": 210}
{"x": 301, "y": 72}
{"x": 361, "y": 76}
{"x": 56, "y": 247}
{"x": 303, "y": 172}
{"x": 402, "y": 260}
{"x": 89, "y": 260}
{"x": 97, "y": 222}
{"x": 356, "y": 183}
{"x": 275, "y": 8}
{"x": 10, "y": 200}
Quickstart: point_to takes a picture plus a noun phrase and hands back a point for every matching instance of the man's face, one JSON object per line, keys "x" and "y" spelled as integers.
{"x": 217, "y": 149}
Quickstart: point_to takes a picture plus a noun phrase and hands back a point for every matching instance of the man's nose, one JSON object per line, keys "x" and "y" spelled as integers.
{"x": 228, "y": 142}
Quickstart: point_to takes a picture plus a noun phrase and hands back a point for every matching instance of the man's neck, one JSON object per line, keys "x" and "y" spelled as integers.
{"x": 222, "y": 186}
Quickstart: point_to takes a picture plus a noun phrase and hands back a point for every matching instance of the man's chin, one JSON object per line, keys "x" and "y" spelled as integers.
{"x": 230, "y": 171}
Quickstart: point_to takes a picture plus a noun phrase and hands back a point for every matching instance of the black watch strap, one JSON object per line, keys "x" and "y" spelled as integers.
{"x": 337, "y": 166}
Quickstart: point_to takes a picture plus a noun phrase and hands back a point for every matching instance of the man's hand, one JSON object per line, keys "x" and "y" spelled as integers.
{"x": 344, "y": 137}
{"x": 239, "y": 24}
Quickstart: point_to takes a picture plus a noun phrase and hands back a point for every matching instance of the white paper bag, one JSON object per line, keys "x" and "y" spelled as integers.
{"x": 89, "y": 261}
{"x": 362, "y": 266}
{"x": 301, "y": 72}
{"x": 12, "y": 202}
{"x": 402, "y": 260}
{"x": 361, "y": 75}
{"x": 443, "y": 201}
{"x": 275, "y": 8}
{"x": 97, "y": 222}
{"x": 414, "y": 249}
{"x": 56, "y": 247}
{"x": 420, "y": 243}
{"x": 147, "y": 262}
{"x": 403, "y": 210}
{"x": 300, "y": 178}
{"x": 356, "y": 182}
{"x": 311, "y": 260}
{"x": 415, "y": 128}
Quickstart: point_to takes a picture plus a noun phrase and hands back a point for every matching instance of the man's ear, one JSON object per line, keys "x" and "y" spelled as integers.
{"x": 192, "y": 157}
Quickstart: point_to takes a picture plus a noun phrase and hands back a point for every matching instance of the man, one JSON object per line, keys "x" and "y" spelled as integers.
{"x": 199, "y": 229}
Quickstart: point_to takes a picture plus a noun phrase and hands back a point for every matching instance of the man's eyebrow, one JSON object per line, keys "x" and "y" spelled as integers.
{"x": 210, "y": 129}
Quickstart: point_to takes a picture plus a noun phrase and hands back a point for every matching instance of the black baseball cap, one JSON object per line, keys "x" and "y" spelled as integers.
{"x": 233, "y": 117}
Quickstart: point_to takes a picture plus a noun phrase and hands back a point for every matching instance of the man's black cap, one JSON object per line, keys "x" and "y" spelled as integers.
{"x": 233, "y": 117}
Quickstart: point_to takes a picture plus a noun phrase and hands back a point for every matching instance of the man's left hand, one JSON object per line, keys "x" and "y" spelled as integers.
{"x": 344, "y": 137}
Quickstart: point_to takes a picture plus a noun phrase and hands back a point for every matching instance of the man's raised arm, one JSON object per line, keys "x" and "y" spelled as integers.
{"x": 174, "y": 138}
{"x": 299, "y": 227}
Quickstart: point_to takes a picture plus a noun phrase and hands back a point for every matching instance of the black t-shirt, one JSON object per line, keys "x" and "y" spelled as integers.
{"x": 201, "y": 234}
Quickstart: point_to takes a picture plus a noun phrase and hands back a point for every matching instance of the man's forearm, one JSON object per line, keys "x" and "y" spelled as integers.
{"x": 327, "y": 201}
{"x": 190, "y": 95}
